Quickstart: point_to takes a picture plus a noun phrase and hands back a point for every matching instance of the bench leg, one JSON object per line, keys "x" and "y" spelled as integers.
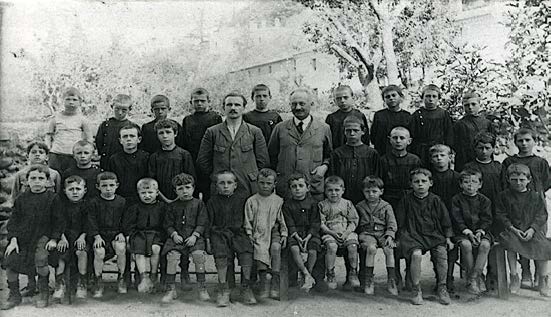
{"x": 284, "y": 275}
{"x": 501, "y": 269}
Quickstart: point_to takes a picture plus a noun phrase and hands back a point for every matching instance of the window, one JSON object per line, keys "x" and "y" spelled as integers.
{"x": 270, "y": 69}
{"x": 314, "y": 64}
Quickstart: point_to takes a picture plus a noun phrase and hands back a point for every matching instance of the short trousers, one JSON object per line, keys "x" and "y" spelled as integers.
{"x": 29, "y": 258}
{"x": 377, "y": 238}
{"x": 142, "y": 242}
{"x": 170, "y": 245}
{"x": 351, "y": 239}
{"x": 226, "y": 243}
{"x": 313, "y": 244}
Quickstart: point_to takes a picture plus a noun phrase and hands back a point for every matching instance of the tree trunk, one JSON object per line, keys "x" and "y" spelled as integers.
{"x": 388, "y": 49}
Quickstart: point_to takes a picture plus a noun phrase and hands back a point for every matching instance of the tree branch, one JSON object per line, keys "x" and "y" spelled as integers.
{"x": 342, "y": 53}
{"x": 349, "y": 39}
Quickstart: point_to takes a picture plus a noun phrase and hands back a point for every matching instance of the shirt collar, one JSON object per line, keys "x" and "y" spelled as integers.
{"x": 305, "y": 121}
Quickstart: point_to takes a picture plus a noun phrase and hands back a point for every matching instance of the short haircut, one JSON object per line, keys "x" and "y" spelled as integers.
{"x": 296, "y": 177}
{"x": 234, "y": 94}
{"x": 158, "y": 99}
{"x": 470, "y": 95}
{"x": 131, "y": 125}
{"x": 353, "y": 119}
{"x": 40, "y": 145}
{"x": 72, "y": 91}
{"x": 74, "y": 179}
{"x": 470, "y": 172}
{"x": 146, "y": 183}
{"x": 39, "y": 167}
{"x": 334, "y": 180}
{"x": 432, "y": 87}
{"x": 106, "y": 176}
{"x": 518, "y": 169}
{"x": 400, "y": 128}
{"x": 422, "y": 171}
{"x": 304, "y": 90}
{"x": 225, "y": 172}
{"x": 166, "y": 124}
{"x": 439, "y": 148}
{"x": 260, "y": 87}
{"x": 199, "y": 92}
{"x": 122, "y": 98}
{"x": 395, "y": 88}
{"x": 343, "y": 87}
{"x": 267, "y": 172}
{"x": 484, "y": 137}
{"x": 83, "y": 143}
{"x": 372, "y": 181}
{"x": 525, "y": 131}
{"x": 182, "y": 179}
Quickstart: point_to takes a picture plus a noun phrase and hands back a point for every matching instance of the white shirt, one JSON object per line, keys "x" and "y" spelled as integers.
{"x": 305, "y": 122}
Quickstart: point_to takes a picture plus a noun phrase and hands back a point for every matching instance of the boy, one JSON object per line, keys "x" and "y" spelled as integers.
{"x": 105, "y": 229}
{"x": 193, "y": 129}
{"x": 226, "y": 236}
{"x": 69, "y": 234}
{"x": 424, "y": 225}
{"x": 466, "y": 128}
{"x": 377, "y": 227}
{"x": 65, "y": 129}
{"x": 303, "y": 221}
{"x": 160, "y": 106}
{"x": 143, "y": 225}
{"x": 107, "y": 138}
{"x": 525, "y": 140}
{"x": 354, "y": 160}
{"x": 430, "y": 124}
{"x": 471, "y": 217}
{"x": 338, "y": 219}
{"x": 130, "y": 165}
{"x": 170, "y": 160}
{"x": 265, "y": 226}
{"x": 82, "y": 153}
{"x": 523, "y": 216}
{"x": 185, "y": 224}
{"x": 344, "y": 98}
{"x": 445, "y": 185}
{"x": 395, "y": 168}
{"x": 37, "y": 153}
{"x": 387, "y": 119}
{"x": 261, "y": 116}
{"x": 28, "y": 232}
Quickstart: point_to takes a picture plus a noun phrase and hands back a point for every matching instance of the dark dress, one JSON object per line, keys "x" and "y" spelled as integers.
{"x": 335, "y": 122}
{"x": 539, "y": 168}
{"x": 395, "y": 174}
{"x": 423, "y": 223}
{"x": 130, "y": 168}
{"x": 523, "y": 210}
{"x": 30, "y": 222}
{"x": 446, "y": 185}
{"x": 383, "y": 122}
{"x": 164, "y": 165}
{"x": 88, "y": 174}
{"x": 150, "y": 142}
{"x": 266, "y": 121}
{"x": 471, "y": 212}
{"x": 69, "y": 218}
{"x": 226, "y": 216}
{"x": 107, "y": 139}
{"x": 353, "y": 164}
{"x": 105, "y": 217}
{"x": 185, "y": 218}
{"x": 144, "y": 224}
{"x": 303, "y": 217}
{"x": 427, "y": 128}
{"x": 464, "y": 132}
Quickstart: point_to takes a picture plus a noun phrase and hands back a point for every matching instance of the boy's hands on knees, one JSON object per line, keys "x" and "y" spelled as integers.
{"x": 81, "y": 242}
{"x": 297, "y": 237}
{"x": 177, "y": 238}
{"x": 120, "y": 237}
{"x": 191, "y": 240}
{"x": 283, "y": 242}
{"x": 63, "y": 244}
{"x": 13, "y": 246}
{"x": 529, "y": 234}
{"x": 209, "y": 247}
{"x": 98, "y": 242}
{"x": 449, "y": 244}
{"x": 389, "y": 242}
{"x": 51, "y": 245}
{"x": 517, "y": 232}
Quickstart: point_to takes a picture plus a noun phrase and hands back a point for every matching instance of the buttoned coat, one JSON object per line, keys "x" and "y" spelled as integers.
{"x": 244, "y": 155}
{"x": 293, "y": 152}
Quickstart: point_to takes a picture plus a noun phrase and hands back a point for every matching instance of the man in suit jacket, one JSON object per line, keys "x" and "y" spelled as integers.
{"x": 301, "y": 145}
{"x": 234, "y": 145}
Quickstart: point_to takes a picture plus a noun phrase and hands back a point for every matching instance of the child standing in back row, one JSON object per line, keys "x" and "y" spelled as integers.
{"x": 261, "y": 116}
{"x": 160, "y": 107}
{"x": 82, "y": 153}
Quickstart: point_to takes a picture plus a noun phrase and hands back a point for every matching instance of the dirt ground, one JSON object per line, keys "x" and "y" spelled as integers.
{"x": 332, "y": 303}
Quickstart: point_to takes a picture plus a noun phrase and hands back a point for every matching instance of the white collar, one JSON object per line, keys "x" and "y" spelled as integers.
{"x": 305, "y": 121}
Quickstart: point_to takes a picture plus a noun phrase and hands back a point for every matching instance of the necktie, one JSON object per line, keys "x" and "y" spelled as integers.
{"x": 300, "y": 127}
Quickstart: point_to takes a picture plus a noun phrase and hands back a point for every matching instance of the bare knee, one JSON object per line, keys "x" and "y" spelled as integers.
{"x": 173, "y": 256}
{"x": 275, "y": 248}
{"x": 389, "y": 252}
{"x": 484, "y": 246}
{"x": 81, "y": 254}
{"x": 120, "y": 247}
{"x": 155, "y": 249}
{"x": 99, "y": 253}
{"x": 466, "y": 246}
{"x": 331, "y": 248}
{"x": 416, "y": 255}
{"x": 371, "y": 248}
